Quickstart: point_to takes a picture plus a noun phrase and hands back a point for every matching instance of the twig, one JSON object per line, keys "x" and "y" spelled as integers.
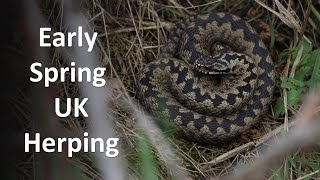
{"x": 157, "y": 139}
{"x": 98, "y": 107}
{"x": 123, "y": 30}
{"x": 308, "y": 175}
{"x": 285, "y": 96}
{"x": 283, "y": 14}
{"x": 177, "y": 6}
{"x": 42, "y": 120}
{"x": 248, "y": 145}
{"x": 165, "y": 24}
{"x": 296, "y": 62}
{"x": 304, "y": 134}
{"x": 267, "y": 137}
{"x": 231, "y": 153}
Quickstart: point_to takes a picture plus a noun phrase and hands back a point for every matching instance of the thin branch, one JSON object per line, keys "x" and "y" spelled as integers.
{"x": 100, "y": 117}
{"x": 304, "y": 134}
{"x": 157, "y": 138}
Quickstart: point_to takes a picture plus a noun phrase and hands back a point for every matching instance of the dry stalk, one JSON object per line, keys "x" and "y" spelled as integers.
{"x": 43, "y": 122}
{"x": 165, "y": 152}
{"x": 125, "y": 30}
{"x": 287, "y": 15}
{"x": 157, "y": 139}
{"x": 304, "y": 134}
{"x": 253, "y": 144}
{"x": 285, "y": 97}
{"x": 178, "y": 6}
{"x": 296, "y": 62}
{"x": 101, "y": 118}
{"x": 231, "y": 153}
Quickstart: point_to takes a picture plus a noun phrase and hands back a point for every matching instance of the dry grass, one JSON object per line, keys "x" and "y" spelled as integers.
{"x": 131, "y": 33}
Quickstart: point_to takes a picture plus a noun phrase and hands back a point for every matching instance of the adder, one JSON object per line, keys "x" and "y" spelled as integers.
{"x": 214, "y": 78}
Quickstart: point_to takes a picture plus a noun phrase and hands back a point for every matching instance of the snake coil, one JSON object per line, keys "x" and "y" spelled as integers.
{"x": 214, "y": 78}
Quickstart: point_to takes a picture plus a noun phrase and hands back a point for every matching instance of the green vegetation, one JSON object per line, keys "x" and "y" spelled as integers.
{"x": 306, "y": 76}
{"x": 131, "y": 34}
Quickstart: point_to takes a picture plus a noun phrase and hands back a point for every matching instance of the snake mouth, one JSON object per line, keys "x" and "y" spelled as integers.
{"x": 211, "y": 69}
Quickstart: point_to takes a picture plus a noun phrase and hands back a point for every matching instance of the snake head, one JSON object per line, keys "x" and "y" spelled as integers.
{"x": 213, "y": 65}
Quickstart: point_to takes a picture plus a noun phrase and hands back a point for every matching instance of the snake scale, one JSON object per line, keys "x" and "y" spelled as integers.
{"x": 214, "y": 78}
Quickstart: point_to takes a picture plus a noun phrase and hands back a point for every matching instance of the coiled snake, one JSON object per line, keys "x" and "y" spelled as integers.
{"x": 214, "y": 78}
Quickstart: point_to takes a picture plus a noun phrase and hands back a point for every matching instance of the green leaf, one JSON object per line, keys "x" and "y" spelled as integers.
{"x": 294, "y": 97}
{"x": 272, "y": 32}
{"x": 315, "y": 12}
{"x": 279, "y": 107}
{"x": 147, "y": 167}
{"x": 285, "y": 83}
{"x": 314, "y": 166}
{"x": 291, "y": 83}
{"x": 307, "y": 47}
{"x": 303, "y": 73}
{"x": 315, "y": 77}
{"x": 293, "y": 161}
{"x": 307, "y": 60}
{"x": 278, "y": 173}
{"x": 285, "y": 54}
{"x": 214, "y": 6}
{"x": 297, "y": 83}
